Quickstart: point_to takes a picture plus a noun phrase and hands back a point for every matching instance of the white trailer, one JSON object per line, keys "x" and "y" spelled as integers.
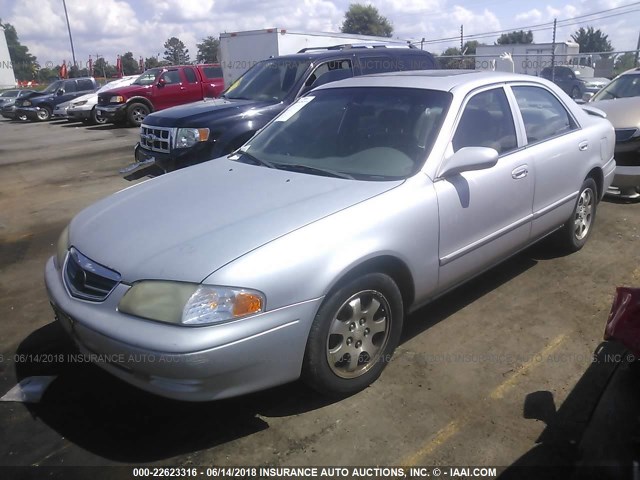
{"x": 529, "y": 58}
{"x": 241, "y": 50}
{"x": 7, "y": 77}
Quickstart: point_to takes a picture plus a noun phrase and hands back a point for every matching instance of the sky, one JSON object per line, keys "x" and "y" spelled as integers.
{"x": 110, "y": 27}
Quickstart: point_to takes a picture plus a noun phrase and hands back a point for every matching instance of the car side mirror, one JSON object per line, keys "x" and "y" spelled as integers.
{"x": 60, "y": 92}
{"x": 161, "y": 82}
{"x": 469, "y": 158}
{"x": 586, "y": 96}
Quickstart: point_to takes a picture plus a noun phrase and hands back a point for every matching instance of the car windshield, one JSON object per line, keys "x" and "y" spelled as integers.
{"x": 148, "y": 77}
{"x": 53, "y": 87}
{"x": 621, "y": 87}
{"x": 379, "y": 133}
{"x": 10, "y": 93}
{"x": 267, "y": 80}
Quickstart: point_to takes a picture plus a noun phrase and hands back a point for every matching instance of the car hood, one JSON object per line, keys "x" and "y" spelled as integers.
{"x": 208, "y": 111}
{"x": 185, "y": 225}
{"x": 621, "y": 112}
{"x": 91, "y": 98}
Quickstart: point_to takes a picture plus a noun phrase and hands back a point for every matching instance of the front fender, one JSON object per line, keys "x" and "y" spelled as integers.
{"x": 308, "y": 262}
{"x": 139, "y": 99}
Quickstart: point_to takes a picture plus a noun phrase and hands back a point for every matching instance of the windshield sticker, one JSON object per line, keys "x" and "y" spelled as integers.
{"x": 293, "y": 109}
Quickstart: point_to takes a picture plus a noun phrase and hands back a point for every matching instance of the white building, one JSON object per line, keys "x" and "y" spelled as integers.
{"x": 7, "y": 77}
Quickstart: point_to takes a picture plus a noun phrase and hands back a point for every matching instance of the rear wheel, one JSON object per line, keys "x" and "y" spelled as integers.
{"x": 576, "y": 231}
{"x": 44, "y": 113}
{"x": 354, "y": 335}
{"x": 136, "y": 113}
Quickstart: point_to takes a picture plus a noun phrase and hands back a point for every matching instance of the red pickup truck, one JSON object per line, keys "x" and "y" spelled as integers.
{"x": 159, "y": 88}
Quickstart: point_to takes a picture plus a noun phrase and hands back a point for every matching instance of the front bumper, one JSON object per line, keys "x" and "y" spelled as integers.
{"x": 627, "y": 176}
{"x": 113, "y": 113}
{"x": 151, "y": 164}
{"x": 8, "y": 112}
{"x": 186, "y": 363}
{"x": 59, "y": 113}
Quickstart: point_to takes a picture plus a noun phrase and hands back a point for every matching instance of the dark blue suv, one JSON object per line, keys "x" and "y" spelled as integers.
{"x": 40, "y": 105}
{"x": 181, "y": 136}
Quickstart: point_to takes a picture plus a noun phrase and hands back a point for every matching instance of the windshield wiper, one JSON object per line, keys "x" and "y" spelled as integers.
{"x": 247, "y": 156}
{"x": 313, "y": 170}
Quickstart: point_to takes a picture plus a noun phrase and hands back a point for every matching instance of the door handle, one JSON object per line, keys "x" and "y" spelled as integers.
{"x": 583, "y": 146}
{"x": 520, "y": 172}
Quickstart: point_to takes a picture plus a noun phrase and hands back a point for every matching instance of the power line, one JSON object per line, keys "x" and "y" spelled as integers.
{"x": 545, "y": 26}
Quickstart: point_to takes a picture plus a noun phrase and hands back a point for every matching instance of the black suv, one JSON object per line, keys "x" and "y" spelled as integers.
{"x": 189, "y": 134}
{"x": 40, "y": 105}
{"x": 571, "y": 82}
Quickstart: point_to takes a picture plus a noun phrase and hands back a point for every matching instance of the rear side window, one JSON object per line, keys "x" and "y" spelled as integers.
{"x": 416, "y": 61}
{"x": 487, "y": 122}
{"x": 191, "y": 75}
{"x": 330, "y": 72}
{"x": 543, "y": 114}
{"x": 69, "y": 87}
{"x": 212, "y": 72}
{"x": 378, "y": 64}
{"x": 85, "y": 84}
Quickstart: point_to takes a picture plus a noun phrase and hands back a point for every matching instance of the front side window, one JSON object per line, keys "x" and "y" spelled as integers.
{"x": 269, "y": 80}
{"x": 69, "y": 86}
{"x": 329, "y": 72}
{"x": 543, "y": 114}
{"x": 363, "y": 133}
{"x": 171, "y": 77}
{"x": 487, "y": 121}
{"x": 85, "y": 84}
{"x": 148, "y": 77}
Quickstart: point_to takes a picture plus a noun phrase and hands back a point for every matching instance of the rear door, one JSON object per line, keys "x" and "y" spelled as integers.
{"x": 484, "y": 215}
{"x": 192, "y": 86}
{"x": 213, "y": 81}
{"x": 559, "y": 149}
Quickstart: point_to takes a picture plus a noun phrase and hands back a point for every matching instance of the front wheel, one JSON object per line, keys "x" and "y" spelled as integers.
{"x": 354, "y": 335}
{"x": 136, "y": 113}
{"x": 43, "y": 113}
{"x": 575, "y": 232}
{"x": 96, "y": 119}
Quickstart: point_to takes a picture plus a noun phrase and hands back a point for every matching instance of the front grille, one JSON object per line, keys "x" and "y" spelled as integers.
{"x": 88, "y": 280}
{"x": 156, "y": 139}
{"x": 103, "y": 99}
{"x": 624, "y": 134}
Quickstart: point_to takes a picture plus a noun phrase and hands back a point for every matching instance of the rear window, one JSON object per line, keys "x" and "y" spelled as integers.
{"x": 85, "y": 84}
{"x": 212, "y": 72}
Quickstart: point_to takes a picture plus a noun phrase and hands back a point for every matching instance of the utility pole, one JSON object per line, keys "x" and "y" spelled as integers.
{"x": 73, "y": 53}
{"x": 553, "y": 53}
{"x": 637, "y": 51}
{"x": 461, "y": 37}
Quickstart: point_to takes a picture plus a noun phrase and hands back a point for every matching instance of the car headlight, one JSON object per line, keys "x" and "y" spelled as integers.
{"x": 189, "y": 303}
{"x": 62, "y": 247}
{"x": 77, "y": 104}
{"x": 26, "y": 103}
{"x": 188, "y": 137}
{"x": 117, "y": 99}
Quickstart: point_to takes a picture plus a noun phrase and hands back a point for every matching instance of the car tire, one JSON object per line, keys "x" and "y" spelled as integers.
{"x": 577, "y": 230}
{"x": 44, "y": 113}
{"x": 96, "y": 119}
{"x": 136, "y": 113}
{"x": 575, "y": 93}
{"x": 363, "y": 316}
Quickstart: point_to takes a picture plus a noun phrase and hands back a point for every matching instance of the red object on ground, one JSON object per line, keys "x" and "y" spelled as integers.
{"x": 623, "y": 323}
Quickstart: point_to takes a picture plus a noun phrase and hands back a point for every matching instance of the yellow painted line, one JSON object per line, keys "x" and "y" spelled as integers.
{"x": 438, "y": 439}
{"x": 500, "y": 390}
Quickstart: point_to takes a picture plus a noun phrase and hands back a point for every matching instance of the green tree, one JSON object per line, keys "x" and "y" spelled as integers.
{"x": 366, "y": 20}
{"x": 151, "y": 62}
{"x": 470, "y": 47}
{"x": 591, "y": 40}
{"x": 130, "y": 65}
{"x": 103, "y": 69}
{"x": 175, "y": 51}
{"x": 47, "y": 75}
{"x": 208, "y": 50}
{"x": 452, "y": 58}
{"x": 519, "y": 36}
{"x": 624, "y": 62}
{"x": 24, "y": 64}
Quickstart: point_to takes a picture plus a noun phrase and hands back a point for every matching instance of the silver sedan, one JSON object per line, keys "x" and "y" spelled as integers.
{"x": 300, "y": 254}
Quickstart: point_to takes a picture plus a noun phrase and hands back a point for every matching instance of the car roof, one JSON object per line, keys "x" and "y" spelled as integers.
{"x": 324, "y": 54}
{"x": 443, "y": 80}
